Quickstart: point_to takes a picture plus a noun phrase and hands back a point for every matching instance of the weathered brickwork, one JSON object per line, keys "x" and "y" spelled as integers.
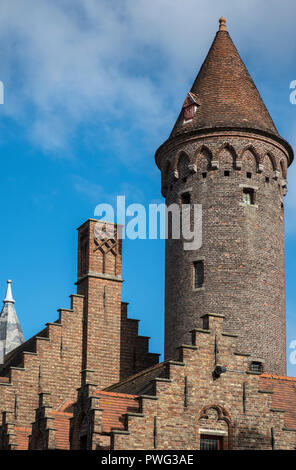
{"x": 109, "y": 337}
{"x": 50, "y": 361}
{"x": 242, "y": 245}
{"x": 179, "y": 401}
{"x": 228, "y": 148}
{"x": 95, "y": 334}
{"x": 134, "y": 349}
{"x": 88, "y": 381}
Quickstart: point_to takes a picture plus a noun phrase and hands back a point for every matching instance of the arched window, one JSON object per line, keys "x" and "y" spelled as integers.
{"x": 214, "y": 430}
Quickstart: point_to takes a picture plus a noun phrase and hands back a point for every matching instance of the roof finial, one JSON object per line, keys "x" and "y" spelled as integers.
{"x": 8, "y": 297}
{"x": 222, "y": 24}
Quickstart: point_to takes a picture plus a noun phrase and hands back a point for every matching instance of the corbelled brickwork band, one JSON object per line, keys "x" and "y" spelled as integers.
{"x": 94, "y": 337}
{"x": 175, "y": 403}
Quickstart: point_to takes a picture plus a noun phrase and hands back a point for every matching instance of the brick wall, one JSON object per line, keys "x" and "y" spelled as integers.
{"x": 93, "y": 337}
{"x": 110, "y": 338}
{"x": 238, "y": 406}
{"x": 53, "y": 364}
{"x": 242, "y": 246}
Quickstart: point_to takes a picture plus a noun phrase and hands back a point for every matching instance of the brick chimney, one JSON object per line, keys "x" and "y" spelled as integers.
{"x": 99, "y": 281}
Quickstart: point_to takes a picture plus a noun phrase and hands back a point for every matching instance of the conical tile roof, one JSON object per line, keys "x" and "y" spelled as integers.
{"x": 226, "y": 93}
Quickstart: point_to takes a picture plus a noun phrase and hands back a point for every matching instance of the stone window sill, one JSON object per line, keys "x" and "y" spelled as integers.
{"x": 243, "y": 204}
{"x": 197, "y": 289}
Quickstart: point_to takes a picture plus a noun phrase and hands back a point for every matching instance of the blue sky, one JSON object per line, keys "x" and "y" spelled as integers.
{"x": 92, "y": 88}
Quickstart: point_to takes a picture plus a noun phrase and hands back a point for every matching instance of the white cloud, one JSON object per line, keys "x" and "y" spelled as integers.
{"x": 97, "y": 194}
{"x": 94, "y": 192}
{"x": 70, "y": 62}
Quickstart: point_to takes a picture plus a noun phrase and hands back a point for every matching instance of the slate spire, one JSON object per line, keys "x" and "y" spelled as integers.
{"x": 225, "y": 92}
{"x": 11, "y": 335}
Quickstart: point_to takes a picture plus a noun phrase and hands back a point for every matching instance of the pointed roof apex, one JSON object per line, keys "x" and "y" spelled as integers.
{"x": 227, "y": 94}
{"x": 8, "y": 297}
{"x": 11, "y": 335}
{"x": 228, "y": 97}
{"x": 222, "y": 24}
{"x": 225, "y": 98}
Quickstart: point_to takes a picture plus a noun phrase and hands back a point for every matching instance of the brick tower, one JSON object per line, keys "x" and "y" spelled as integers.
{"x": 225, "y": 153}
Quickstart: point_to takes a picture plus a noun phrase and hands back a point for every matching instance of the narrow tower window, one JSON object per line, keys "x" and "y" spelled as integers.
{"x": 198, "y": 274}
{"x": 256, "y": 366}
{"x": 249, "y": 196}
{"x": 185, "y": 198}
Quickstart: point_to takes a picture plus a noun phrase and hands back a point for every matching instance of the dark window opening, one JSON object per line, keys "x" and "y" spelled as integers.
{"x": 204, "y": 175}
{"x": 184, "y": 179}
{"x": 249, "y": 196}
{"x": 208, "y": 442}
{"x": 226, "y": 173}
{"x": 249, "y": 175}
{"x": 198, "y": 274}
{"x": 256, "y": 366}
{"x": 170, "y": 225}
{"x": 267, "y": 179}
{"x": 83, "y": 442}
{"x": 83, "y": 255}
{"x": 185, "y": 198}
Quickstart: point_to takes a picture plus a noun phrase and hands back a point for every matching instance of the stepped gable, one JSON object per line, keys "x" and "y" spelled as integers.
{"x": 186, "y": 399}
{"x": 15, "y": 357}
{"x": 52, "y": 361}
